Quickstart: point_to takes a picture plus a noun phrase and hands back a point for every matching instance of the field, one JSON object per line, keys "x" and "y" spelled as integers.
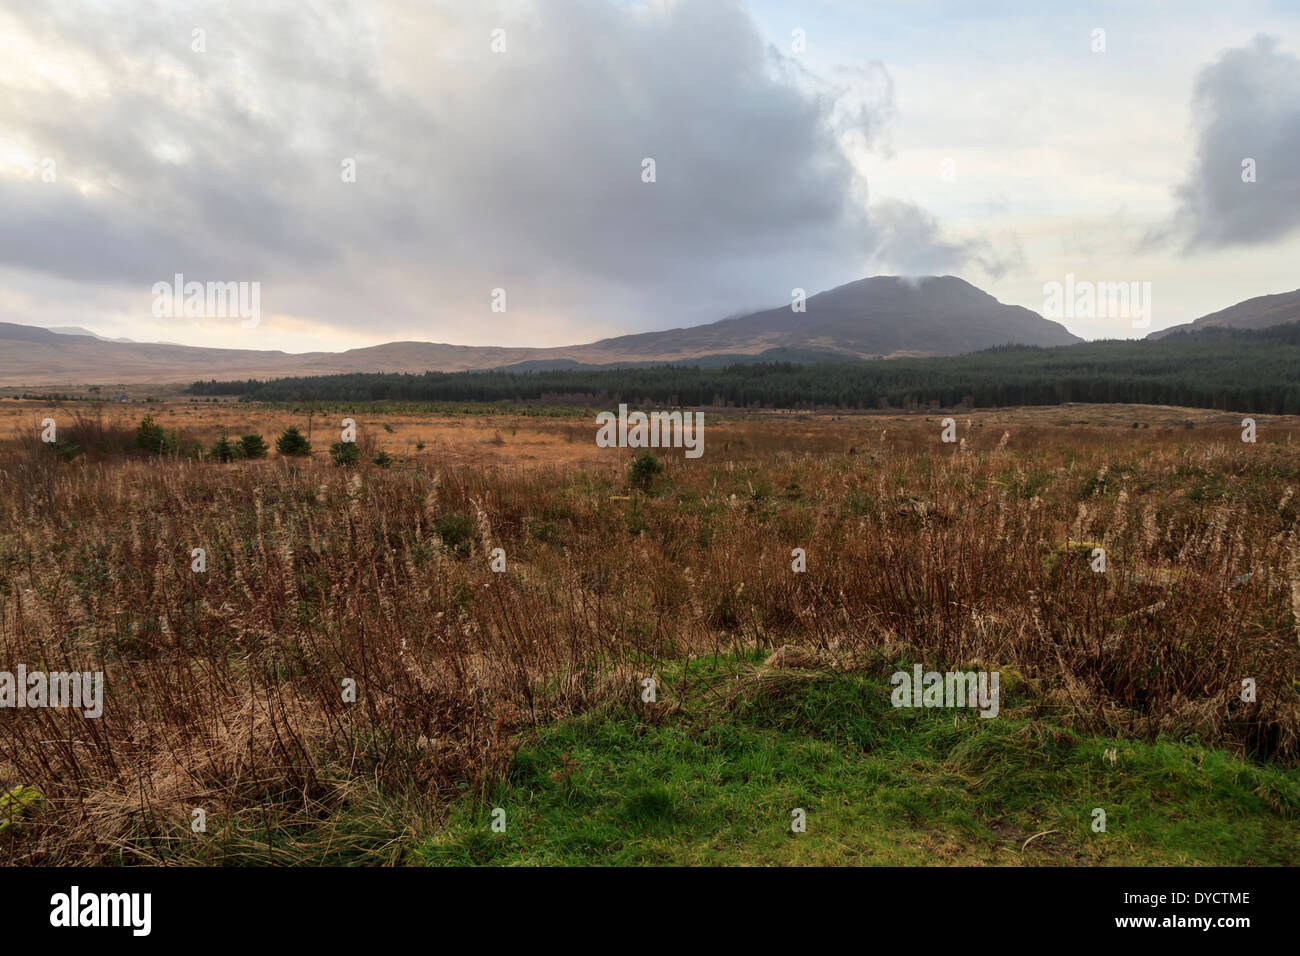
{"x": 349, "y": 680}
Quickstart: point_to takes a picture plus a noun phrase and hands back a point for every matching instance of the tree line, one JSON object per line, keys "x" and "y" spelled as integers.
{"x": 1227, "y": 369}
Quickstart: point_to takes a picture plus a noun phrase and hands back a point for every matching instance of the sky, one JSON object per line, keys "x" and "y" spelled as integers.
{"x": 479, "y": 173}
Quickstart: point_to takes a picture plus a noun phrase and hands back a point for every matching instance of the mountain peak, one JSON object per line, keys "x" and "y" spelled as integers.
{"x": 900, "y": 315}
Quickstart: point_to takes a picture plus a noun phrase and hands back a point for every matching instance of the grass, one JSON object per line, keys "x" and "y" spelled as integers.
{"x": 879, "y": 787}
{"x": 222, "y": 688}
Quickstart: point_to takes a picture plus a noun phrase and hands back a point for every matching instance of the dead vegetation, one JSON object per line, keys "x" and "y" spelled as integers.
{"x": 226, "y": 689}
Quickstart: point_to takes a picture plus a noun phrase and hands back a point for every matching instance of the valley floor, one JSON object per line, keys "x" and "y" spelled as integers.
{"x": 434, "y": 654}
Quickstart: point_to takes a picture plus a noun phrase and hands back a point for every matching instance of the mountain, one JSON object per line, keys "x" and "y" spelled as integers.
{"x": 78, "y": 330}
{"x": 884, "y": 316}
{"x": 1260, "y": 312}
{"x": 881, "y": 316}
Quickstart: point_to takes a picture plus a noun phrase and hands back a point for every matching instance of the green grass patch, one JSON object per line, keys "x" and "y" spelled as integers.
{"x": 716, "y": 782}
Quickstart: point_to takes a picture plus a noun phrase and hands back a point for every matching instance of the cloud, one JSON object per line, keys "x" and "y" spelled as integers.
{"x": 475, "y": 169}
{"x": 909, "y": 241}
{"x": 1246, "y": 106}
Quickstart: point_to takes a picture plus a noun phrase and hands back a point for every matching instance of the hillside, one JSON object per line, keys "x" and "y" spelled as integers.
{"x": 883, "y": 315}
{"x": 880, "y": 316}
{"x": 1261, "y": 312}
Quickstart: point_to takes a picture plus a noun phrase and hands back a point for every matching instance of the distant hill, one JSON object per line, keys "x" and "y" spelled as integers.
{"x": 884, "y": 316}
{"x": 12, "y": 332}
{"x": 78, "y": 330}
{"x": 1261, "y": 312}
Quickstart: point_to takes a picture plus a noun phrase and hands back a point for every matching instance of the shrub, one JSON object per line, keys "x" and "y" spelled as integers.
{"x": 89, "y": 435}
{"x": 345, "y": 453}
{"x": 292, "y": 443}
{"x": 456, "y": 531}
{"x": 644, "y": 470}
{"x": 150, "y": 435}
{"x": 383, "y": 459}
{"x": 227, "y": 450}
{"x": 254, "y": 446}
{"x": 174, "y": 443}
{"x": 66, "y": 450}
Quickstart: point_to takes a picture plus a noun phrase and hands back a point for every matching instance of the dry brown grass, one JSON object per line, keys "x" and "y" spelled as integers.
{"x": 224, "y": 687}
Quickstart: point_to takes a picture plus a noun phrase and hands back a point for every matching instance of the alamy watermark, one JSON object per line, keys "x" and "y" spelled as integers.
{"x": 75, "y": 909}
{"x": 951, "y": 689}
{"x": 653, "y": 430}
{"x": 213, "y": 300}
{"x": 1098, "y": 300}
{"x": 82, "y": 690}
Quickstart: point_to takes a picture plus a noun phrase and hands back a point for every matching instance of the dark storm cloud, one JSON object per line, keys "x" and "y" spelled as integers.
{"x": 475, "y": 169}
{"x": 1246, "y": 106}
